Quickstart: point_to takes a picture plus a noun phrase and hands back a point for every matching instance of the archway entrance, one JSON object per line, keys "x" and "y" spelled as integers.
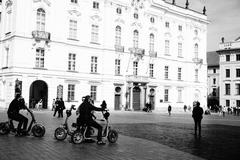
{"x": 136, "y": 98}
{"x": 117, "y": 100}
{"x": 38, "y": 91}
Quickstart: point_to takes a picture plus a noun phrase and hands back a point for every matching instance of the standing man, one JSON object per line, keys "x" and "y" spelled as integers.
{"x": 197, "y": 115}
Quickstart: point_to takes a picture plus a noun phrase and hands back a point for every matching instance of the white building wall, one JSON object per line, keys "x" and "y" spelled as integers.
{"x": 22, "y": 49}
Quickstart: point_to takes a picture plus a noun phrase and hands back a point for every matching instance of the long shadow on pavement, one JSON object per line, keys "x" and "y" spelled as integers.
{"x": 218, "y": 142}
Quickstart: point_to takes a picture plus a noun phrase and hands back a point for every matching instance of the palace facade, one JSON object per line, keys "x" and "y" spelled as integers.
{"x": 126, "y": 52}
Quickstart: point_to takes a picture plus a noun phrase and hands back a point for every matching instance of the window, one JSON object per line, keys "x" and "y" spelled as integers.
{"x": 151, "y": 70}
{"x": 227, "y": 89}
{"x": 238, "y": 103}
{"x": 237, "y": 57}
{"x": 179, "y": 95}
{"x": 196, "y": 75}
{"x": 179, "y": 73}
{"x": 93, "y": 64}
{"x": 166, "y": 72}
{"x": 180, "y": 28}
{"x": 135, "y": 68}
{"x": 214, "y": 80}
{"x": 117, "y": 67}
{"x": 227, "y": 103}
{"x": 118, "y": 36}
{"x": 94, "y": 34}
{"x": 152, "y": 20}
{"x": 227, "y": 73}
{"x": 135, "y": 15}
{"x": 167, "y": 24}
{"x": 74, "y": 1}
{"x": 214, "y": 70}
{"x": 214, "y": 92}
{"x": 196, "y": 50}
{"x": 166, "y": 95}
{"x": 237, "y": 88}
{"x": 195, "y": 32}
{"x": 71, "y": 91}
{"x": 238, "y": 72}
{"x": 40, "y": 20}
{"x": 59, "y": 91}
{"x": 227, "y": 57}
{"x": 167, "y": 43}
{"x": 135, "y": 39}
{"x": 71, "y": 61}
{"x": 73, "y": 29}
{"x": 93, "y": 93}
{"x": 119, "y": 11}
{"x": 151, "y": 43}
{"x": 39, "y": 58}
{"x": 95, "y": 5}
{"x": 179, "y": 49}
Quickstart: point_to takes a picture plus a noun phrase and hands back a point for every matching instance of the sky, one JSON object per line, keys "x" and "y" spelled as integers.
{"x": 224, "y": 17}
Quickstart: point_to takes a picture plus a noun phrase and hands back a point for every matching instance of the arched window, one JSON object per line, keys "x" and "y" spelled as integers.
{"x": 196, "y": 50}
{"x": 151, "y": 43}
{"x": 41, "y": 15}
{"x": 118, "y": 36}
{"x": 135, "y": 39}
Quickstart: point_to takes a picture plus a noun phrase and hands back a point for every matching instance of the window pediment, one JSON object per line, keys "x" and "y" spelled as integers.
{"x": 96, "y": 18}
{"x": 74, "y": 12}
{"x": 45, "y": 1}
{"x": 119, "y": 20}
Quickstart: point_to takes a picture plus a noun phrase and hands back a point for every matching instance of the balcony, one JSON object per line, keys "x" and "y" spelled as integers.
{"x": 137, "y": 51}
{"x": 119, "y": 48}
{"x": 137, "y": 79}
{"x": 41, "y": 35}
{"x": 197, "y": 60}
{"x": 152, "y": 54}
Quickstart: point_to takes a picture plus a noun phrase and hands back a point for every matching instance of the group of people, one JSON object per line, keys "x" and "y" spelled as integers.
{"x": 58, "y": 106}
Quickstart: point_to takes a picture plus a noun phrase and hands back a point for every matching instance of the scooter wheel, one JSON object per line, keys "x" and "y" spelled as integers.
{"x": 4, "y": 128}
{"x": 38, "y": 130}
{"x": 77, "y": 137}
{"x": 60, "y": 134}
{"x": 112, "y": 136}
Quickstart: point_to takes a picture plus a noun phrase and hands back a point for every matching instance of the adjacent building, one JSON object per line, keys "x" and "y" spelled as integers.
{"x": 127, "y": 52}
{"x": 213, "y": 78}
{"x": 229, "y": 53}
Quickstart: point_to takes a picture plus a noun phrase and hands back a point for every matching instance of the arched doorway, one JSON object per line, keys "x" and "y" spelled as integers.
{"x": 136, "y": 98}
{"x": 38, "y": 91}
{"x": 117, "y": 100}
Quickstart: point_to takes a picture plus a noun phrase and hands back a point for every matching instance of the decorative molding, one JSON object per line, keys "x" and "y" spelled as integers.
{"x": 154, "y": 29}
{"x": 136, "y": 24}
{"x": 45, "y": 1}
{"x": 180, "y": 37}
{"x": 119, "y": 20}
{"x": 74, "y": 12}
{"x": 168, "y": 34}
{"x": 96, "y": 18}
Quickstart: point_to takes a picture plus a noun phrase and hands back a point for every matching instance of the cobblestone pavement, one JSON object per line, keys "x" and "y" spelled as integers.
{"x": 143, "y": 136}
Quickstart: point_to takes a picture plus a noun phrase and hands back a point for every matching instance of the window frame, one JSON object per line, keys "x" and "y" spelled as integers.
{"x": 94, "y": 64}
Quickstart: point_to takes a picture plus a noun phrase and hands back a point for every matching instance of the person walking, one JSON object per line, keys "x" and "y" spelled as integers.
{"x": 53, "y": 105}
{"x": 56, "y": 107}
{"x": 61, "y": 108}
{"x": 197, "y": 115}
{"x": 169, "y": 110}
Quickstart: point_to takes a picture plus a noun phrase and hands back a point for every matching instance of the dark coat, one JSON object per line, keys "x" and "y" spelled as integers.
{"x": 85, "y": 110}
{"x": 16, "y": 105}
{"x": 197, "y": 113}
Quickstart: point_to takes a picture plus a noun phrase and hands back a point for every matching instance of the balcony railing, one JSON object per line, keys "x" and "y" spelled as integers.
{"x": 119, "y": 48}
{"x": 41, "y": 35}
{"x": 152, "y": 54}
{"x": 197, "y": 60}
{"x": 137, "y": 51}
{"x": 139, "y": 79}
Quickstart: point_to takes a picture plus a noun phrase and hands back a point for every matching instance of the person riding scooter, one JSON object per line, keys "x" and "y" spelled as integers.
{"x": 85, "y": 117}
{"x": 15, "y": 106}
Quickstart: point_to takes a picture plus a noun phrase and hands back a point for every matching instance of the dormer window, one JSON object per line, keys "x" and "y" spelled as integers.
{"x": 119, "y": 11}
{"x": 180, "y": 28}
{"x": 152, "y": 20}
{"x": 167, "y": 24}
{"x": 135, "y": 15}
{"x": 95, "y": 5}
{"x": 195, "y": 32}
{"x": 74, "y": 1}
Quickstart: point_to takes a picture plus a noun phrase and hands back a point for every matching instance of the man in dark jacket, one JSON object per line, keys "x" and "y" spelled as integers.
{"x": 85, "y": 117}
{"x": 15, "y": 106}
{"x": 197, "y": 115}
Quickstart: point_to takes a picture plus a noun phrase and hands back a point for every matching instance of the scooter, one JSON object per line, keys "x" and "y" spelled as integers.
{"x": 34, "y": 128}
{"x": 63, "y": 130}
{"x": 85, "y": 132}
